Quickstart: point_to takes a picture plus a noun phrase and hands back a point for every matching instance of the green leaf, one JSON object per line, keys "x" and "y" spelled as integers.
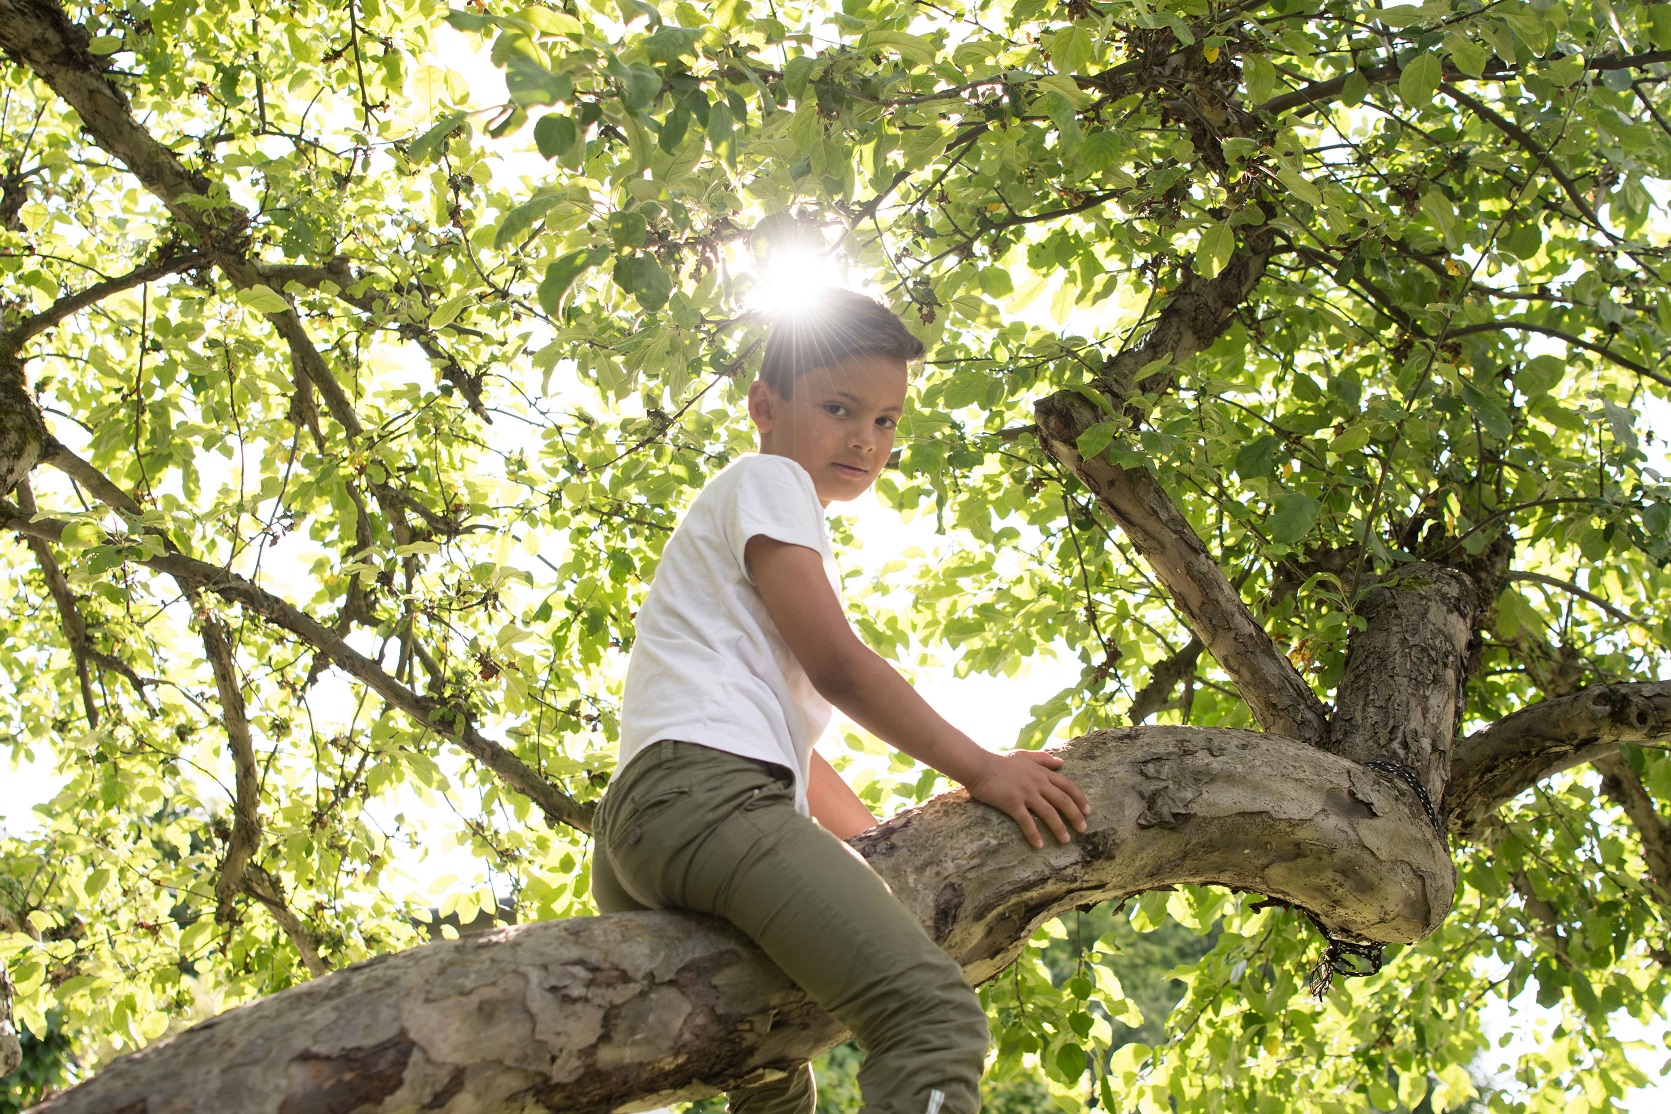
{"x": 1489, "y": 411}
{"x": 1217, "y": 244}
{"x": 914, "y": 49}
{"x": 554, "y": 134}
{"x": 965, "y": 389}
{"x": 263, "y": 299}
{"x": 104, "y": 44}
{"x": 1257, "y": 458}
{"x": 1622, "y": 423}
{"x": 1565, "y": 72}
{"x": 447, "y": 312}
{"x": 561, "y": 273}
{"x": 642, "y": 276}
{"x": 1420, "y": 80}
{"x": 82, "y": 535}
{"x": 720, "y": 134}
{"x": 1292, "y": 517}
{"x": 641, "y": 85}
{"x": 1659, "y": 25}
{"x": 1070, "y": 49}
{"x": 427, "y": 145}
{"x": 1094, "y": 440}
{"x": 1540, "y": 375}
{"x": 1470, "y": 57}
{"x": 1402, "y": 15}
{"x": 521, "y": 218}
{"x": 1355, "y": 89}
{"x": 1259, "y": 76}
{"x": 549, "y": 21}
{"x": 1299, "y": 185}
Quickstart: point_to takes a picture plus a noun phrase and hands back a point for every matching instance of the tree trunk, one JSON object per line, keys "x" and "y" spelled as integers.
{"x": 641, "y": 1009}
{"x": 22, "y": 427}
{"x": 1400, "y": 698}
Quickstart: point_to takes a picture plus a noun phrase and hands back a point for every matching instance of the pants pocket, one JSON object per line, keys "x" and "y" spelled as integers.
{"x": 626, "y": 822}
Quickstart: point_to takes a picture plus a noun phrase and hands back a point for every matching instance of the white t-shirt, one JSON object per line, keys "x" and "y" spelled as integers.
{"x": 708, "y": 665}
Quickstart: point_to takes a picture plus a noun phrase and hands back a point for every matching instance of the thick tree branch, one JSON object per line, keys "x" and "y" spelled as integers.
{"x": 649, "y": 1008}
{"x": 1277, "y": 695}
{"x": 448, "y": 721}
{"x": 1625, "y": 789}
{"x": 1497, "y": 764}
{"x": 41, "y": 36}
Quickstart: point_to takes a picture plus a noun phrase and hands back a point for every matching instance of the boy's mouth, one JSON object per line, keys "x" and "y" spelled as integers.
{"x": 856, "y": 471}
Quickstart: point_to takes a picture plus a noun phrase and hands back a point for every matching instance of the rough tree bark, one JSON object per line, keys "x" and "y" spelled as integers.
{"x": 644, "y": 1008}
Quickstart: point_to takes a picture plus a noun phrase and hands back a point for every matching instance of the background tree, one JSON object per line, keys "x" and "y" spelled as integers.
{"x": 1282, "y": 353}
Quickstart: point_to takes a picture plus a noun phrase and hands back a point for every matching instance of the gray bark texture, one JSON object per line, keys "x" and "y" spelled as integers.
{"x": 1502, "y": 761}
{"x": 635, "y": 1010}
{"x": 22, "y": 427}
{"x": 1400, "y": 698}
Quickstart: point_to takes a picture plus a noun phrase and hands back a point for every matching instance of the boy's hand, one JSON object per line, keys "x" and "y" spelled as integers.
{"x": 1024, "y": 784}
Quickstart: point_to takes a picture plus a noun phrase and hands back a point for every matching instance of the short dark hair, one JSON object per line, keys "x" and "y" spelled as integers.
{"x": 830, "y": 327}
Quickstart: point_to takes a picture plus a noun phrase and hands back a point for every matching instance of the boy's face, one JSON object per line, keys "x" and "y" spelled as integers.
{"x": 838, "y": 423}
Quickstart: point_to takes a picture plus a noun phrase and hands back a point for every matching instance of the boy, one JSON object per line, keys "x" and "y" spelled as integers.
{"x": 741, "y": 650}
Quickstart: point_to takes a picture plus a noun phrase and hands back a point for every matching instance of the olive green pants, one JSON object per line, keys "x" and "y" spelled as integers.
{"x": 688, "y": 827}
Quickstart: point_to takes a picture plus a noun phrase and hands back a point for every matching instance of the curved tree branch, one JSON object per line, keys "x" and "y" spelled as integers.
{"x": 1497, "y": 764}
{"x": 649, "y": 1008}
{"x": 42, "y": 37}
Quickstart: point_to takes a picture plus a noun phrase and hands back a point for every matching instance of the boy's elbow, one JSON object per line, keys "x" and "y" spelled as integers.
{"x": 839, "y": 674}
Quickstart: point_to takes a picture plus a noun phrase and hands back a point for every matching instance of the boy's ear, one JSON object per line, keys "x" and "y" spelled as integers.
{"x": 760, "y": 405}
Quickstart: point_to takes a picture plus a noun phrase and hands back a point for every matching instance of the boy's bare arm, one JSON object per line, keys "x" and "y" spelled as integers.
{"x": 833, "y": 803}
{"x": 1024, "y": 784}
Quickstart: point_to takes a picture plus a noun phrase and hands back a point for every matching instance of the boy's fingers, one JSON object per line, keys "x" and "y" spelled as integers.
{"x": 1024, "y": 820}
{"x": 1071, "y": 788}
{"x": 1052, "y": 820}
{"x": 1068, "y": 807}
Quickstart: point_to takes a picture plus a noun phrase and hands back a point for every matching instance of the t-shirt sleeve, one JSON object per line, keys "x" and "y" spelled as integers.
{"x": 773, "y": 498}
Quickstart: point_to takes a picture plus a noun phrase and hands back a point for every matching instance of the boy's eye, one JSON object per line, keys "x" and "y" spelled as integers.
{"x": 887, "y": 423}
{"x": 836, "y": 409}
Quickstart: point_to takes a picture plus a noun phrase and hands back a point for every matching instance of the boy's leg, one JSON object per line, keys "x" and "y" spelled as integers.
{"x": 795, "y": 1093}
{"x": 719, "y": 834}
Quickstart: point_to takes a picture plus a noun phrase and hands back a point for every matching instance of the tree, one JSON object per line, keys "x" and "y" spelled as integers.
{"x": 1290, "y": 365}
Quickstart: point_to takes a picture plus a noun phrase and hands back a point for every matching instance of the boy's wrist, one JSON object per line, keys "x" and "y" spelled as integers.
{"x": 966, "y": 761}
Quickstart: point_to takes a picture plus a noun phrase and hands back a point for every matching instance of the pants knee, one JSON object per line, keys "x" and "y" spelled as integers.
{"x": 936, "y": 1008}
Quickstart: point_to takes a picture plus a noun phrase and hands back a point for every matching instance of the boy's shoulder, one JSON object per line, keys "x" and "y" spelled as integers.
{"x": 764, "y": 469}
